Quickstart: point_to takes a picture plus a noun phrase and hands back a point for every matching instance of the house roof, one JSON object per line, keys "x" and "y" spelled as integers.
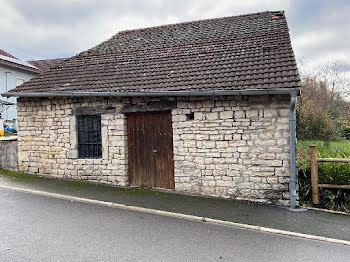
{"x": 9, "y": 60}
{"x": 46, "y": 64}
{"x": 246, "y": 52}
{"x": 4, "y": 53}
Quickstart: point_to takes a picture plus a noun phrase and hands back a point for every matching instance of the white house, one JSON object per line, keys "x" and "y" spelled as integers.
{"x": 13, "y": 72}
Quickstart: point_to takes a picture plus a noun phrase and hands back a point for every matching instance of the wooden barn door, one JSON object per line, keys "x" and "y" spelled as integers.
{"x": 150, "y": 149}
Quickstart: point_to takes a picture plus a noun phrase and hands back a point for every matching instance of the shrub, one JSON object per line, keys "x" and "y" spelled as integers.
{"x": 329, "y": 173}
{"x": 316, "y": 125}
{"x": 345, "y": 132}
{"x": 336, "y": 199}
{"x": 321, "y": 112}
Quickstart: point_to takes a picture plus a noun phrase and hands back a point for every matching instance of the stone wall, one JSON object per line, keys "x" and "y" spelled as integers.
{"x": 45, "y": 141}
{"x": 235, "y": 147}
{"x": 8, "y": 156}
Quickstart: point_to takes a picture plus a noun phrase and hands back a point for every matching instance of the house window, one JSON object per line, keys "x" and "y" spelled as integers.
{"x": 89, "y": 136}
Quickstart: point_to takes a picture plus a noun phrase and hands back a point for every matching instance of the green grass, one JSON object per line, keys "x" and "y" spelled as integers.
{"x": 103, "y": 192}
{"x": 336, "y": 149}
{"x": 52, "y": 182}
{"x": 332, "y": 148}
{"x": 329, "y": 173}
{"x": 10, "y": 134}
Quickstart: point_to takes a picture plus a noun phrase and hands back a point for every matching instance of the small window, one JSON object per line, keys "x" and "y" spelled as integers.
{"x": 89, "y": 136}
{"x": 190, "y": 116}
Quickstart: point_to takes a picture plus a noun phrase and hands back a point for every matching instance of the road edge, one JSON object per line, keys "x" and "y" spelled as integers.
{"x": 180, "y": 215}
{"x": 326, "y": 210}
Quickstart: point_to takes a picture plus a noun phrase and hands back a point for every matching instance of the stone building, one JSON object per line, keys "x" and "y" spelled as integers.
{"x": 204, "y": 107}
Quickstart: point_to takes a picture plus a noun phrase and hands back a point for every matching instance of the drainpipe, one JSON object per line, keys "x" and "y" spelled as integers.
{"x": 7, "y": 80}
{"x": 293, "y": 169}
{"x": 5, "y": 111}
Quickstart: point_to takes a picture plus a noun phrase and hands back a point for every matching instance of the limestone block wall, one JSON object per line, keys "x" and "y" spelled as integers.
{"x": 45, "y": 141}
{"x": 8, "y": 153}
{"x": 234, "y": 147}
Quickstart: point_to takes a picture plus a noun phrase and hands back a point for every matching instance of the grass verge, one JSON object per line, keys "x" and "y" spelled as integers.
{"x": 68, "y": 184}
{"x": 329, "y": 173}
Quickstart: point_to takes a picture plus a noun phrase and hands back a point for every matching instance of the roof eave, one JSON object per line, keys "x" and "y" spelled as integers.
{"x": 276, "y": 91}
{"x": 18, "y": 66}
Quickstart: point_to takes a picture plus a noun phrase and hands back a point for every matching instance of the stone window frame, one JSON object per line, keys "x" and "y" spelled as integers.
{"x": 73, "y": 132}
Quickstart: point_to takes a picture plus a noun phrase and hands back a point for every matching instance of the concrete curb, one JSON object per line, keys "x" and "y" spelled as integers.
{"x": 326, "y": 210}
{"x": 179, "y": 215}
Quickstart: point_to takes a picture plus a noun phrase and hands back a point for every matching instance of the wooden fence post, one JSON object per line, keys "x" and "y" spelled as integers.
{"x": 314, "y": 175}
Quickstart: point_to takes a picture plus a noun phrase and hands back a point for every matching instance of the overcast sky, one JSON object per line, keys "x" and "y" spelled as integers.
{"x": 40, "y": 29}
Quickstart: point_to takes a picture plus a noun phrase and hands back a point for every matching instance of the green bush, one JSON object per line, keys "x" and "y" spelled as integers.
{"x": 321, "y": 112}
{"x": 345, "y": 132}
{"x": 311, "y": 125}
{"x": 329, "y": 173}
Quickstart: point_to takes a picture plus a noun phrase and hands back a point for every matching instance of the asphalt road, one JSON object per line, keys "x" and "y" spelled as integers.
{"x": 38, "y": 228}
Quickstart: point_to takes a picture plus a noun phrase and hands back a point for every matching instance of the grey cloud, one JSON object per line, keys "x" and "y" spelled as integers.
{"x": 320, "y": 30}
{"x": 63, "y": 28}
{"x": 71, "y": 12}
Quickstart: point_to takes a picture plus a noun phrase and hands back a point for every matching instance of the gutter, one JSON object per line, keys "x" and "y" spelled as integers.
{"x": 277, "y": 91}
{"x": 293, "y": 92}
{"x": 293, "y": 169}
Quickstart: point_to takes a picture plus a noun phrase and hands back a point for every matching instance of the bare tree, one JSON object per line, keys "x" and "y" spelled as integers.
{"x": 333, "y": 74}
{"x": 322, "y": 109}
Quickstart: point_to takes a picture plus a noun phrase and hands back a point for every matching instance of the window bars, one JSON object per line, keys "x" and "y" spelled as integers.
{"x": 89, "y": 136}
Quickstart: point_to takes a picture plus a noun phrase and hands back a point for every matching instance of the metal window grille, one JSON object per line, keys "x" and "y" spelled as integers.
{"x": 89, "y": 136}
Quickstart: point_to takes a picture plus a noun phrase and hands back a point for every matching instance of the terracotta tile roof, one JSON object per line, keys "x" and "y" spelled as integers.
{"x": 46, "y": 64}
{"x": 10, "y": 60}
{"x": 232, "y": 53}
{"x": 2, "y": 52}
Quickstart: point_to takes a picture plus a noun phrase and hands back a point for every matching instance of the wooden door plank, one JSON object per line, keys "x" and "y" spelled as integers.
{"x": 158, "y": 147}
{"x": 140, "y": 139}
{"x": 164, "y": 163}
{"x": 147, "y": 132}
{"x": 131, "y": 149}
{"x": 170, "y": 144}
{"x": 148, "y": 149}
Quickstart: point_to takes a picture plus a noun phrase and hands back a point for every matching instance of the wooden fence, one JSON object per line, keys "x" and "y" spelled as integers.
{"x": 314, "y": 174}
